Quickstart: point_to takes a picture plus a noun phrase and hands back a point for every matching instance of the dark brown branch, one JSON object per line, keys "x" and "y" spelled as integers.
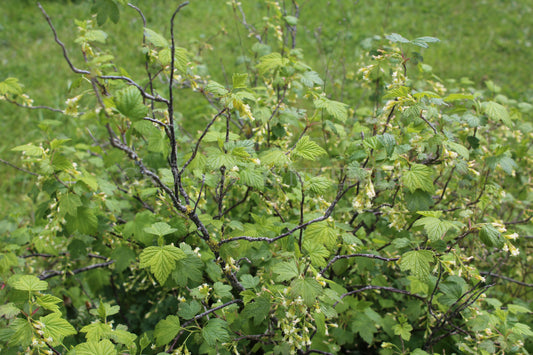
{"x": 17, "y": 167}
{"x": 51, "y": 273}
{"x": 519, "y": 222}
{"x": 61, "y": 44}
{"x": 199, "y": 316}
{"x": 239, "y": 202}
{"x": 339, "y": 257}
{"x": 33, "y": 107}
{"x": 525, "y": 284}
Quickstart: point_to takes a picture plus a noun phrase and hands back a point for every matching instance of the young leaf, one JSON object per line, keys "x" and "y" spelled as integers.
{"x": 161, "y": 260}
{"x": 497, "y": 112}
{"x": 69, "y": 203}
{"x": 29, "y": 283}
{"x": 335, "y": 108}
{"x": 10, "y": 86}
{"x": 395, "y": 37}
{"x": 155, "y": 38}
{"x": 189, "y": 309}
{"x": 257, "y": 310}
{"x": 307, "y": 149}
{"x": 435, "y": 228}
{"x": 56, "y": 327}
{"x": 160, "y": 229}
{"x": 239, "y": 80}
{"x": 309, "y": 289}
{"x": 418, "y": 262}
{"x": 491, "y": 236}
{"x": 166, "y": 330}
{"x": 403, "y": 330}
{"x": 271, "y": 62}
{"x": 49, "y": 302}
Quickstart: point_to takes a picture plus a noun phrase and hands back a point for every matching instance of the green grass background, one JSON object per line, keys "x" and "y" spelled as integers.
{"x": 481, "y": 40}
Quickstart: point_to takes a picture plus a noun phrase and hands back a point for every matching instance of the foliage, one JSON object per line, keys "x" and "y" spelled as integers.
{"x": 177, "y": 214}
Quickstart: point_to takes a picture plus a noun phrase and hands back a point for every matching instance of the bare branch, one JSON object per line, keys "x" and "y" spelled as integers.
{"x": 385, "y": 288}
{"x": 17, "y": 167}
{"x": 339, "y": 257}
{"x": 51, "y": 273}
{"x": 33, "y": 107}
{"x": 525, "y": 284}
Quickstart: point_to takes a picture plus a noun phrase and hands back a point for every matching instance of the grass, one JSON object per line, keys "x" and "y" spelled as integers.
{"x": 481, "y": 40}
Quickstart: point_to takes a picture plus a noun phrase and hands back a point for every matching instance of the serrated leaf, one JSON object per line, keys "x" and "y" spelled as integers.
{"x": 257, "y": 310}
{"x": 274, "y": 157}
{"x": 106, "y": 9}
{"x": 459, "y": 149}
{"x": 249, "y": 281}
{"x": 395, "y": 37}
{"x": 252, "y": 178}
{"x": 22, "y": 332}
{"x": 222, "y": 290}
{"x": 160, "y": 229}
{"x": 56, "y": 327}
{"x": 307, "y": 149}
{"x": 96, "y": 331}
{"x": 318, "y": 184}
{"x": 271, "y": 62}
{"x": 418, "y": 262}
{"x": 286, "y": 270}
{"x": 418, "y": 177}
{"x": 161, "y": 260}
{"x": 85, "y": 221}
{"x": 29, "y": 283}
{"x": 69, "y": 203}
{"x": 239, "y": 80}
{"x": 216, "y": 330}
{"x": 155, "y": 38}
{"x": 397, "y": 92}
{"x": 10, "y": 86}
{"x": 496, "y": 112}
{"x": 335, "y": 108}
{"x": 418, "y": 200}
{"x": 321, "y": 233}
{"x": 491, "y": 236}
{"x": 516, "y": 309}
{"x": 435, "y": 228}
{"x": 129, "y": 102}
{"x": 458, "y": 96}
{"x": 403, "y": 330}
{"x": 522, "y": 329}
{"x": 9, "y": 310}
{"x": 215, "y": 88}
{"x": 29, "y": 150}
{"x": 388, "y": 142}
{"x": 309, "y": 289}
{"x": 317, "y": 253}
{"x": 104, "y": 347}
{"x": 166, "y": 330}
{"x": 311, "y": 78}
{"x": 189, "y": 309}
{"x": 49, "y": 302}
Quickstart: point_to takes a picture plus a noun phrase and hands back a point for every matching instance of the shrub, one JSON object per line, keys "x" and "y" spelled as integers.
{"x": 177, "y": 214}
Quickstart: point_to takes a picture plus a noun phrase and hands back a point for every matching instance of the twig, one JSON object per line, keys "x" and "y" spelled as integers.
{"x": 339, "y": 257}
{"x": 525, "y": 284}
{"x": 518, "y": 222}
{"x": 239, "y": 202}
{"x": 51, "y": 273}
{"x": 17, "y": 167}
{"x": 429, "y": 123}
{"x": 199, "y": 316}
{"x": 33, "y": 107}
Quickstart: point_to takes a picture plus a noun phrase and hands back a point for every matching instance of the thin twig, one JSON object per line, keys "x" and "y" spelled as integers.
{"x": 359, "y": 255}
{"x": 17, "y": 167}
{"x": 51, "y": 273}
{"x": 385, "y": 288}
{"x": 506, "y": 278}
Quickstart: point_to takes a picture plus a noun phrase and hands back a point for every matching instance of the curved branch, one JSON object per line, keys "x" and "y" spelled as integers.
{"x": 525, "y": 284}
{"x": 51, "y": 273}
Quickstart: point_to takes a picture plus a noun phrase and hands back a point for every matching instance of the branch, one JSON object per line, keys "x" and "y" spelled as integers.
{"x": 525, "y": 284}
{"x": 519, "y": 222}
{"x": 201, "y": 315}
{"x": 18, "y": 168}
{"x": 51, "y": 273}
{"x": 33, "y": 107}
{"x": 386, "y": 288}
{"x": 61, "y": 44}
{"x": 338, "y": 257}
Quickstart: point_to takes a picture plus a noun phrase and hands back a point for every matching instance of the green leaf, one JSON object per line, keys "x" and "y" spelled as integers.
{"x": 318, "y": 184}
{"x": 49, "y": 302}
{"x": 491, "y": 236}
{"x": 458, "y": 96}
{"x": 166, "y": 330}
{"x": 388, "y": 142}
{"x": 418, "y": 262}
{"x": 418, "y": 200}
{"x": 189, "y": 309}
{"x": 161, "y": 260}
{"x": 249, "y": 281}
{"x": 106, "y": 9}
{"x": 286, "y": 270}
{"x": 257, "y": 310}
{"x": 307, "y": 149}
{"x": 29, "y": 283}
{"x": 69, "y": 203}
{"x": 522, "y": 329}
{"x": 104, "y": 347}
{"x": 496, "y": 112}
{"x": 309, "y": 289}
{"x": 321, "y": 233}
{"x": 96, "y": 331}
{"x": 271, "y": 62}
{"x": 252, "y": 178}
{"x": 9, "y": 310}
{"x": 105, "y": 310}
{"x": 56, "y": 327}
{"x": 85, "y": 221}
{"x": 29, "y": 150}
{"x": 397, "y": 92}
{"x": 155, "y": 38}
{"x": 311, "y": 78}
{"x": 215, "y": 88}
{"x": 395, "y": 37}
{"x": 459, "y": 149}
{"x": 335, "y": 108}
{"x": 317, "y": 253}
{"x": 239, "y": 80}
{"x": 516, "y": 308}
{"x": 274, "y": 157}
{"x": 221, "y": 290}
{"x": 423, "y": 41}
{"x": 403, "y": 330}
{"x": 129, "y": 102}
{"x": 435, "y": 228}
{"x": 160, "y": 229}
{"x": 10, "y": 86}
{"x": 418, "y": 177}
{"x": 22, "y": 332}
{"x": 216, "y": 330}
